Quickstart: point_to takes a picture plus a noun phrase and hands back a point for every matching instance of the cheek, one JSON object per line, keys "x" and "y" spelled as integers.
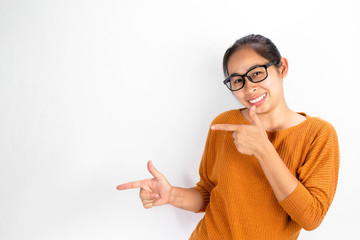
{"x": 240, "y": 96}
{"x": 274, "y": 86}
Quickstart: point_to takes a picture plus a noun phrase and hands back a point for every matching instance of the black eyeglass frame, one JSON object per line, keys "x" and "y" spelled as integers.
{"x": 266, "y": 66}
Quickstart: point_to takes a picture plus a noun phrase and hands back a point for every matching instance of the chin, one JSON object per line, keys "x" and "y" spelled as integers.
{"x": 261, "y": 109}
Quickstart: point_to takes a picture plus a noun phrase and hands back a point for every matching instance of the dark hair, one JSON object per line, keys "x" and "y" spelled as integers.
{"x": 260, "y": 44}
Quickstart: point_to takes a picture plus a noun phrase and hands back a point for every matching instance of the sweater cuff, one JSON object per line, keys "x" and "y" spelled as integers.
{"x": 205, "y": 197}
{"x": 298, "y": 202}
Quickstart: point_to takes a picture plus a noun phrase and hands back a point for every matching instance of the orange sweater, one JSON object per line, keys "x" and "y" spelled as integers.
{"x": 237, "y": 198}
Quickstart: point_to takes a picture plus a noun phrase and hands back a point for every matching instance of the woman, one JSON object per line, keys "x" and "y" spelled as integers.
{"x": 267, "y": 171}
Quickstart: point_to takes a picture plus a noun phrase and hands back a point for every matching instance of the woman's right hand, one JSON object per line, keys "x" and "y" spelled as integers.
{"x": 153, "y": 191}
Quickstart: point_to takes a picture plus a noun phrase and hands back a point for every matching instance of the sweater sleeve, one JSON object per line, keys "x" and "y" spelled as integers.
{"x": 205, "y": 185}
{"x": 311, "y": 199}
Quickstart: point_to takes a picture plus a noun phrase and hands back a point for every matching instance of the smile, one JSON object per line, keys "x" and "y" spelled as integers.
{"x": 257, "y": 99}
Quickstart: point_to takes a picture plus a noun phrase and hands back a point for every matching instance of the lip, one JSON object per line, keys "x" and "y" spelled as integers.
{"x": 259, "y": 102}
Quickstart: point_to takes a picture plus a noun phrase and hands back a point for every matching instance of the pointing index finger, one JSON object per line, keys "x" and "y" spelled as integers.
{"x": 130, "y": 185}
{"x": 225, "y": 127}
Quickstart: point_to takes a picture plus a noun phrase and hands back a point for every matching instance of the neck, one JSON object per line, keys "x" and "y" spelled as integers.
{"x": 278, "y": 118}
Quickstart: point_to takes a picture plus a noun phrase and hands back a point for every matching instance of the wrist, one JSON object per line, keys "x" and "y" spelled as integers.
{"x": 264, "y": 151}
{"x": 172, "y": 195}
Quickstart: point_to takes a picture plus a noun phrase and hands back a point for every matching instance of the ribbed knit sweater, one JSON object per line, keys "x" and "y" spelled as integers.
{"x": 237, "y": 198}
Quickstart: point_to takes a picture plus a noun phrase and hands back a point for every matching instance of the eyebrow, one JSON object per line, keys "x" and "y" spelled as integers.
{"x": 247, "y": 70}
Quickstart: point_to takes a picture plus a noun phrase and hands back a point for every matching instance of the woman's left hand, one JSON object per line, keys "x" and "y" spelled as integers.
{"x": 248, "y": 139}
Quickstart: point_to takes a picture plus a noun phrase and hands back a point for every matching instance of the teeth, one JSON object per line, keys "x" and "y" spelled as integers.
{"x": 258, "y": 99}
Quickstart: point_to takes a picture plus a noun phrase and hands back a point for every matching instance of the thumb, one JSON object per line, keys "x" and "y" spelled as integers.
{"x": 157, "y": 175}
{"x": 254, "y": 117}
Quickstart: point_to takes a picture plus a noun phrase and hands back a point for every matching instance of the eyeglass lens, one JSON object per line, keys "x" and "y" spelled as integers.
{"x": 257, "y": 74}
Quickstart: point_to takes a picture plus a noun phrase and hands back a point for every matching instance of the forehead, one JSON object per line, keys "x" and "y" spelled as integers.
{"x": 241, "y": 60}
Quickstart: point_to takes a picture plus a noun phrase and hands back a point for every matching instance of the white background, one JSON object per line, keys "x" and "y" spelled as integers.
{"x": 91, "y": 90}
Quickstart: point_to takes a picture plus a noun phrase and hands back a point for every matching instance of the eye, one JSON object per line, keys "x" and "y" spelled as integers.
{"x": 257, "y": 73}
{"x": 236, "y": 80}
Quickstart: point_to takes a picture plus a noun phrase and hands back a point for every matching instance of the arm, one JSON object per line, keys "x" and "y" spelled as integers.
{"x": 281, "y": 180}
{"x": 311, "y": 199}
{"x": 306, "y": 199}
{"x": 188, "y": 199}
{"x": 253, "y": 140}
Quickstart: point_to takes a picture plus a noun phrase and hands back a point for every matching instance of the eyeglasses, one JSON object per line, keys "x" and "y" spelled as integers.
{"x": 255, "y": 74}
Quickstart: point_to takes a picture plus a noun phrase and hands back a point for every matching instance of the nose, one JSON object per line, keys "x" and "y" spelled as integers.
{"x": 250, "y": 87}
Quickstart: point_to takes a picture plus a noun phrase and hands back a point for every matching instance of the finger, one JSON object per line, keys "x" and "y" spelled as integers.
{"x": 158, "y": 202}
{"x": 146, "y": 195}
{"x": 234, "y": 135}
{"x": 254, "y": 117}
{"x": 130, "y": 185}
{"x": 147, "y": 201}
{"x": 148, "y": 205}
{"x": 157, "y": 175}
{"x": 225, "y": 127}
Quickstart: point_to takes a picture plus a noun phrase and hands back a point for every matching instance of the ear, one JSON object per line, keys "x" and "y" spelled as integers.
{"x": 284, "y": 67}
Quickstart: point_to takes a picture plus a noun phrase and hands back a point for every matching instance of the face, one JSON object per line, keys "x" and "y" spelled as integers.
{"x": 266, "y": 95}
